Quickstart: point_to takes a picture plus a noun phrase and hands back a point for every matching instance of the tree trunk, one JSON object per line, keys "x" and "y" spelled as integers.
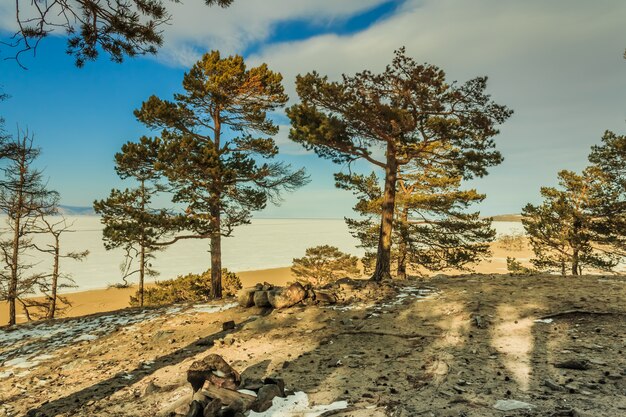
{"x": 142, "y": 272}
{"x": 17, "y": 213}
{"x": 216, "y": 235}
{"x": 563, "y": 268}
{"x": 402, "y": 246}
{"x": 55, "y": 280}
{"x": 12, "y": 296}
{"x": 383, "y": 256}
{"x": 216, "y": 257}
{"x": 575, "y": 262}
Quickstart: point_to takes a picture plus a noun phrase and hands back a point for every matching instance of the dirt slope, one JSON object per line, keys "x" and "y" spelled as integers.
{"x": 412, "y": 349}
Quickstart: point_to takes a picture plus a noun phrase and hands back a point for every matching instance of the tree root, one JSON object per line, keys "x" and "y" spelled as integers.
{"x": 402, "y": 336}
{"x": 590, "y": 312}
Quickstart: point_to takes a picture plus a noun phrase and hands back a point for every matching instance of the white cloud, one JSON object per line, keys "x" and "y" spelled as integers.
{"x": 198, "y": 28}
{"x": 558, "y": 64}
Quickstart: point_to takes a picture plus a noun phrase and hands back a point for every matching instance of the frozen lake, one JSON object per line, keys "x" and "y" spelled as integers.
{"x": 266, "y": 243}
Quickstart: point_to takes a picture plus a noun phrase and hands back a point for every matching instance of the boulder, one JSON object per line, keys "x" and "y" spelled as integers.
{"x": 245, "y": 297}
{"x": 264, "y": 398}
{"x": 261, "y": 299}
{"x": 325, "y": 297}
{"x": 214, "y": 369}
{"x": 212, "y": 408}
{"x": 286, "y": 297}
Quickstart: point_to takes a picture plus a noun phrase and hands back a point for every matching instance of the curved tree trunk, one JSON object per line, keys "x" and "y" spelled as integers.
{"x": 402, "y": 246}
{"x": 383, "y": 256}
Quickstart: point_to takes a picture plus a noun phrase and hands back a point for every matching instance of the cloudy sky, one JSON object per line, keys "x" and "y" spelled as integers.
{"x": 559, "y": 64}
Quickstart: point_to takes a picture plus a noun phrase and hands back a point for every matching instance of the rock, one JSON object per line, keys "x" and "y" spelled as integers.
{"x": 252, "y": 384}
{"x": 510, "y": 405}
{"x": 261, "y": 299}
{"x": 214, "y": 369}
{"x": 245, "y": 297}
{"x": 552, "y": 385}
{"x": 276, "y": 381}
{"x": 196, "y": 409}
{"x": 212, "y": 408}
{"x": 287, "y": 297}
{"x": 325, "y": 297}
{"x": 576, "y": 364}
{"x": 229, "y": 339}
{"x": 228, "y": 325}
{"x": 264, "y": 398}
{"x": 151, "y": 388}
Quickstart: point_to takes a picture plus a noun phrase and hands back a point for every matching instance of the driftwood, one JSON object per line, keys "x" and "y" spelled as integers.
{"x": 228, "y": 396}
{"x": 568, "y": 312}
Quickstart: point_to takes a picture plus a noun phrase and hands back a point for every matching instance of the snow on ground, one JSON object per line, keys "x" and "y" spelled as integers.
{"x": 297, "y": 405}
{"x": 26, "y": 346}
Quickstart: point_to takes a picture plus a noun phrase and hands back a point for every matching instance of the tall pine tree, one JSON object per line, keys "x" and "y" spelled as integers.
{"x": 561, "y": 230}
{"x": 215, "y": 147}
{"x": 411, "y": 113}
{"x": 129, "y": 218}
{"x": 432, "y": 229}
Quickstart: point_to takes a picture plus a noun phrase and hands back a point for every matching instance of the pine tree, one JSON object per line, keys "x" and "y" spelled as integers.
{"x": 432, "y": 230}
{"x": 608, "y": 173}
{"x": 412, "y": 113}
{"x": 23, "y": 197}
{"x": 215, "y": 147}
{"x": 117, "y": 28}
{"x": 561, "y": 229}
{"x": 324, "y": 264}
{"x": 129, "y": 218}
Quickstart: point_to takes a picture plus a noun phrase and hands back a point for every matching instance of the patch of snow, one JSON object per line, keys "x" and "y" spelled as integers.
{"x": 85, "y": 337}
{"x": 5, "y": 374}
{"x": 212, "y": 308}
{"x": 297, "y": 405}
{"x": 247, "y": 391}
{"x": 43, "y": 357}
{"x": 16, "y": 361}
{"x": 546, "y": 321}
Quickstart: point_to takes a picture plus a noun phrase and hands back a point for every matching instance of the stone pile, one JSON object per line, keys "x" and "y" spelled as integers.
{"x": 342, "y": 291}
{"x": 270, "y": 296}
{"x": 218, "y": 391}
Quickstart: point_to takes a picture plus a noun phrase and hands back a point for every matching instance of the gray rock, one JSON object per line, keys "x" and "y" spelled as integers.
{"x": 245, "y": 297}
{"x": 261, "y": 299}
{"x": 212, "y": 408}
{"x": 325, "y": 297}
{"x": 510, "y": 405}
{"x": 264, "y": 398}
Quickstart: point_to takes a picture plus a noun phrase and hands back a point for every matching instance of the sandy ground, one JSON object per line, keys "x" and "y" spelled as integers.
{"x": 410, "y": 348}
{"x": 110, "y": 299}
{"x": 96, "y": 301}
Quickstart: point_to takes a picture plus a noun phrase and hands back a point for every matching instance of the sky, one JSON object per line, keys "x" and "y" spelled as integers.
{"x": 559, "y": 65}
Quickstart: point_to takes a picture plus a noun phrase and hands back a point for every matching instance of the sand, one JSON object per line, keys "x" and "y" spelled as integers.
{"x": 407, "y": 348}
{"x": 110, "y": 299}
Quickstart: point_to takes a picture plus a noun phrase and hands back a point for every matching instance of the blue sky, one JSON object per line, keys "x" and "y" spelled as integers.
{"x": 558, "y": 64}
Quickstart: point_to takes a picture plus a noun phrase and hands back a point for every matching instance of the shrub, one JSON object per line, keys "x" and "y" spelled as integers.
{"x": 324, "y": 264}
{"x": 515, "y": 267}
{"x": 512, "y": 242}
{"x": 187, "y": 288}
